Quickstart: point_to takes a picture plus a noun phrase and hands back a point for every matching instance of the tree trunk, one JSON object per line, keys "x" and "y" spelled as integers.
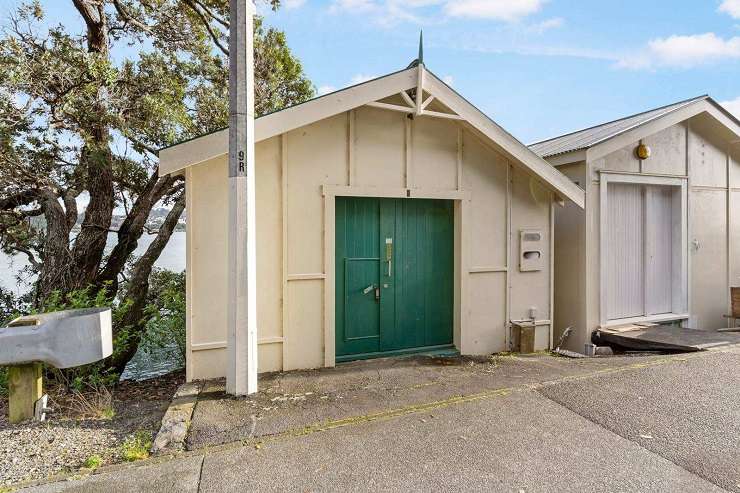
{"x": 55, "y": 267}
{"x": 96, "y": 159}
{"x": 137, "y": 288}
{"x": 132, "y": 228}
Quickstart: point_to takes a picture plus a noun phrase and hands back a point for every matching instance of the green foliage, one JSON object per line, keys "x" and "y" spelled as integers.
{"x": 165, "y": 329}
{"x": 164, "y": 321}
{"x": 82, "y": 112}
{"x": 11, "y": 306}
{"x": 3, "y": 381}
{"x": 108, "y": 413}
{"x": 95, "y": 375}
{"x": 93, "y": 462}
{"x": 137, "y": 446}
{"x": 278, "y": 74}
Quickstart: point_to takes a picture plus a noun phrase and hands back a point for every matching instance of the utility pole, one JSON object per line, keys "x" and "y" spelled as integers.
{"x": 241, "y": 374}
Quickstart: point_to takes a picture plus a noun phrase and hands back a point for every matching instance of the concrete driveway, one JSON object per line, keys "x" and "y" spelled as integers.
{"x": 518, "y": 424}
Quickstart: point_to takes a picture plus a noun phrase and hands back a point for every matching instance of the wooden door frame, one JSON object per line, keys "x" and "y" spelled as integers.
{"x": 462, "y": 200}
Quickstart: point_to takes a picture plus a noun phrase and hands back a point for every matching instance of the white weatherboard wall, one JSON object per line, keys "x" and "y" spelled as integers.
{"x": 697, "y": 154}
{"x": 375, "y": 152}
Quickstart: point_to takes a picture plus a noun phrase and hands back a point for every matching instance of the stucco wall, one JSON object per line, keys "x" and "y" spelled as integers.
{"x": 373, "y": 152}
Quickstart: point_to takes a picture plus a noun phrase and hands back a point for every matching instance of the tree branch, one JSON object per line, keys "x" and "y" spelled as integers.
{"x": 70, "y": 208}
{"x": 31, "y": 257}
{"x": 19, "y": 199}
{"x": 132, "y": 227}
{"x": 218, "y": 19}
{"x": 207, "y": 25}
{"x": 123, "y": 12}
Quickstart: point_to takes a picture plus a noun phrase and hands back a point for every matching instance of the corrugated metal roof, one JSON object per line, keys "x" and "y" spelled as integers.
{"x": 583, "y": 139}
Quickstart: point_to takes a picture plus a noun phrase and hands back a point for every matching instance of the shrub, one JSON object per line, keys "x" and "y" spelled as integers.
{"x": 165, "y": 329}
{"x": 90, "y": 377}
{"x": 164, "y": 324}
{"x": 11, "y": 306}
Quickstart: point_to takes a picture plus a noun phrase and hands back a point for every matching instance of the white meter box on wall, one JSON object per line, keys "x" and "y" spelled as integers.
{"x": 530, "y": 250}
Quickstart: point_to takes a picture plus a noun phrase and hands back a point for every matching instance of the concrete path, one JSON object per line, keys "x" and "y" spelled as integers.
{"x": 655, "y": 424}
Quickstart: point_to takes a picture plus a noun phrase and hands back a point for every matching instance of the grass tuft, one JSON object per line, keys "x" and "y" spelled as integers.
{"x": 93, "y": 462}
{"x": 108, "y": 413}
{"x": 137, "y": 447}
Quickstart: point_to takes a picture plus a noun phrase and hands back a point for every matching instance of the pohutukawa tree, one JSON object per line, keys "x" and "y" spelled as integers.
{"x": 82, "y": 115}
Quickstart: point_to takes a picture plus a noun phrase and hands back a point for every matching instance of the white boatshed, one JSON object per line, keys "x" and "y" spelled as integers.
{"x": 659, "y": 238}
{"x": 391, "y": 217}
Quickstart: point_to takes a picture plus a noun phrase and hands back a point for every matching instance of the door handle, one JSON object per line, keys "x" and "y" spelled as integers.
{"x": 389, "y": 255}
{"x": 368, "y": 289}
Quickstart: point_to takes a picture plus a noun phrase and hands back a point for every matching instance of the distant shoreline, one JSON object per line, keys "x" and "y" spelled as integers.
{"x": 172, "y": 258}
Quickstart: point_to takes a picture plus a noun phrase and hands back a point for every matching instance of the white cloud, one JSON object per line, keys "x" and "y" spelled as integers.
{"x": 356, "y": 6}
{"x": 732, "y": 106}
{"x": 360, "y": 78}
{"x": 390, "y": 12}
{"x": 731, "y": 7}
{"x": 546, "y": 25}
{"x": 356, "y": 79}
{"x": 504, "y": 10}
{"x": 684, "y": 52}
{"x": 449, "y": 80}
{"x": 326, "y": 89}
{"x": 293, "y": 4}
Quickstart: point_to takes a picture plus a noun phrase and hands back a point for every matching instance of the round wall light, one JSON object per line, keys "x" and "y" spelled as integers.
{"x": 643, "y": 151}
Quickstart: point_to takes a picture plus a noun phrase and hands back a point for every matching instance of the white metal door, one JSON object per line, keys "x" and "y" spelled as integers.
{"x": 625, "y": 284}
{"x": 659, "y": 244}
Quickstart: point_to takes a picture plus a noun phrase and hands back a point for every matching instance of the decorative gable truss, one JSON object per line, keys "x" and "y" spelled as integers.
{"x": 415, "y": 91}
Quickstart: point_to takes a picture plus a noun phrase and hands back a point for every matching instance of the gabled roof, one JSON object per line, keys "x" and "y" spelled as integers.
{"x": 201, "y": 149}
{"x": 589, "y": 137}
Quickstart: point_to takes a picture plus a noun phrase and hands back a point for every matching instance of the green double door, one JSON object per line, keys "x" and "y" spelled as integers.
{"x": 394, "y": 276}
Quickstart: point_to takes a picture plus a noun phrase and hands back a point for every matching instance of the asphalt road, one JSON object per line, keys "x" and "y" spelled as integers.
{"x": 687, "y": 412}
{"x": 672, "y": 426}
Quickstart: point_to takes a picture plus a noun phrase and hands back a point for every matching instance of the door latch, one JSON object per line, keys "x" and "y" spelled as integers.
{"x": 370, "y": 288}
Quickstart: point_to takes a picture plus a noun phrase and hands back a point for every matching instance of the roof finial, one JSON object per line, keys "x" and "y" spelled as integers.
{"x": 421, "y": 47}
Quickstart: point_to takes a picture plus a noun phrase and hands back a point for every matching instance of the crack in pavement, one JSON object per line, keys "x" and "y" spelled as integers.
{"x": 200, "y": 473}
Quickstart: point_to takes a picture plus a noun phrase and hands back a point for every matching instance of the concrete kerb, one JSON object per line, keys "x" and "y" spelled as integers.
{"x": 176, "y": 420}
{"x": 379, "y": 416}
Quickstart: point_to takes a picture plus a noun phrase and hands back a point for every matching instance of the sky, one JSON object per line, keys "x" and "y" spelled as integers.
{"x": 540, "y": 68}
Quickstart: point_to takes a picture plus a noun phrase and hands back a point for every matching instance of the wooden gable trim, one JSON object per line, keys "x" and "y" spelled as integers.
{"x": 507, "y": 144}
{"x": 201, "y": 149}
{"x": 216, "y": 144}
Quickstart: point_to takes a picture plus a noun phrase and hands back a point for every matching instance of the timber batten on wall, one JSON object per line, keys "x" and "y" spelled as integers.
{"x": 299, "y": 174}
{"x": 371, "y": 140}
